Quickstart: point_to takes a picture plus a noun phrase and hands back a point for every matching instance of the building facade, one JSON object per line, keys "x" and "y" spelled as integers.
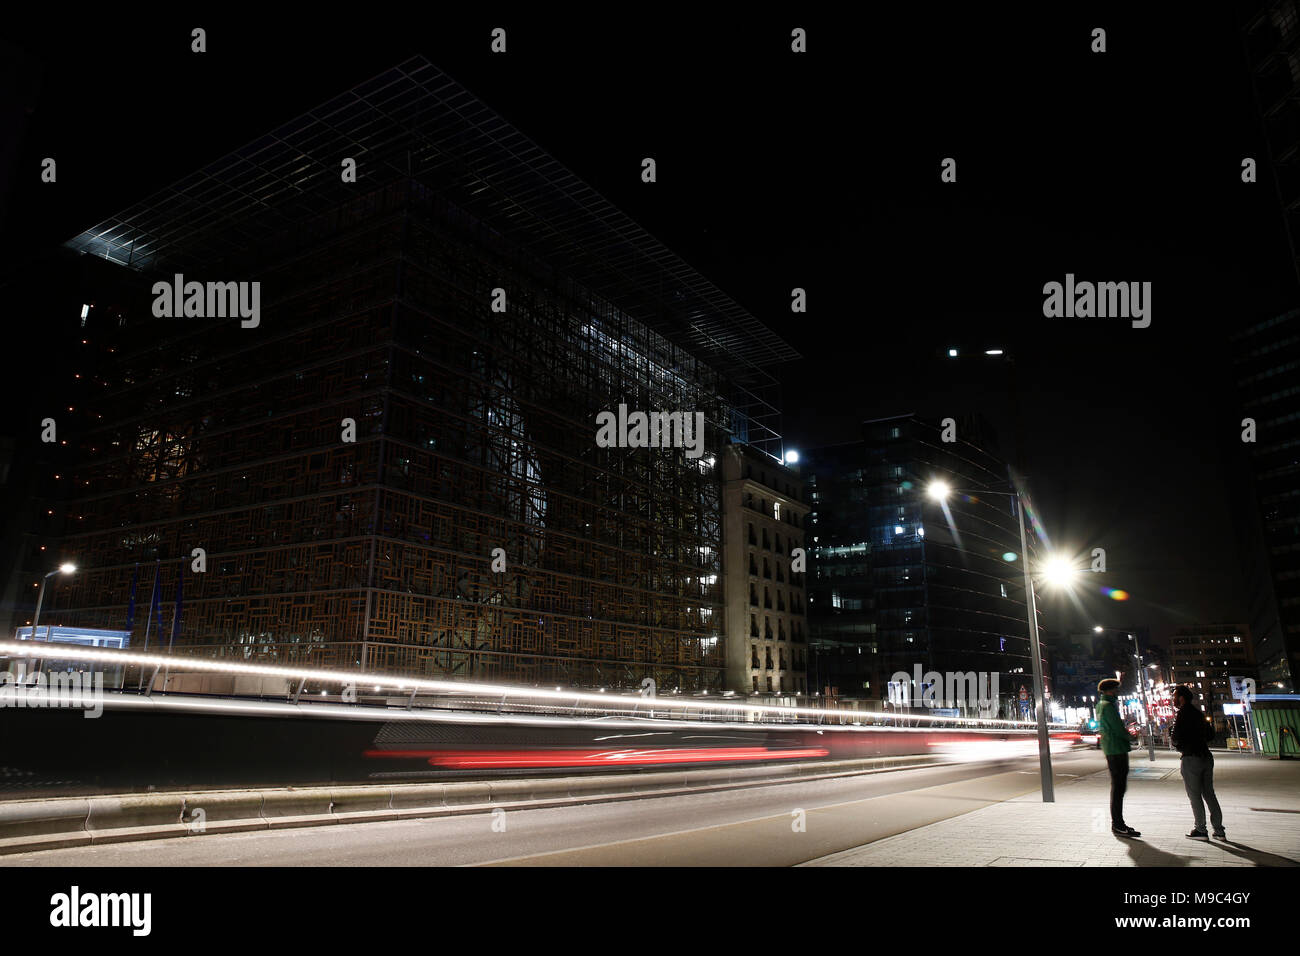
{"x": 1204, "y": 657}
{"x": 1265, "y": 356}
{"x": 764, "y": 515}
{"x": 899, "y": 580}
{"x": 395, "y": 467}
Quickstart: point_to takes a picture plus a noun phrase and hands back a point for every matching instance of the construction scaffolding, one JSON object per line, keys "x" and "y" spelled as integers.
{"x": 474, "y": 428}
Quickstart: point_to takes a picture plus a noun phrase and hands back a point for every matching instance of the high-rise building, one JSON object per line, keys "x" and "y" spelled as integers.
{"x": 899, "y": 580}
{"x": 1271, "y": 34}
{"x": 1204, "y": 657}
{"x": 764, "y": 515}
{"x": 1265, "y": 355}
{"x": 394, "y": 464}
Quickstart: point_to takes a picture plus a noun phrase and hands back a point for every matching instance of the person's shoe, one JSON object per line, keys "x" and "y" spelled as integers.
{"x": 1125, "y": 831}
{"x": 1198, "y": 835}
{"x": 1220, "y": 835}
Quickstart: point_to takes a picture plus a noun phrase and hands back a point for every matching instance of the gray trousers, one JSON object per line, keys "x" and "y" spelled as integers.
{"x": 1198, "y": 778}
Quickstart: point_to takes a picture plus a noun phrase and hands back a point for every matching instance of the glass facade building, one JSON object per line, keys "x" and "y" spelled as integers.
{"x": 898, "y": 580}
{"x": 436, "y": 341}
{"x": 1265, "y": 358}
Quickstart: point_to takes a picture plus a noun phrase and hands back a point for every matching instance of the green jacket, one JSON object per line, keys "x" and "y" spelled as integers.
{"x": 1114, "y": 735}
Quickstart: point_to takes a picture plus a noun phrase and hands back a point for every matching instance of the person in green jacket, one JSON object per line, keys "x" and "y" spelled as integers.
{"x": 1115, "y": 744}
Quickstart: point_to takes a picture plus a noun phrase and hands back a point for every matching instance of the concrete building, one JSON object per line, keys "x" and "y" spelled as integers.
{"x": 764, "y": 516}
{"x": 1204, "y": 657}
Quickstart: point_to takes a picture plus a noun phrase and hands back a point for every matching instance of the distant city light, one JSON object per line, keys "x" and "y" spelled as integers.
{"x": 952, "y": 353}
{"x": 992, "y": 351}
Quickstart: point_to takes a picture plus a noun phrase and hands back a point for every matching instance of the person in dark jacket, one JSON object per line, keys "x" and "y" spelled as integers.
{"x": 1192, "y": 734}
{"x": 1115, "y": 744}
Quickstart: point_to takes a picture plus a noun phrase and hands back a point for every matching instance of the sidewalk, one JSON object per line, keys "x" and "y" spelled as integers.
{"x": 1261, "y": 811}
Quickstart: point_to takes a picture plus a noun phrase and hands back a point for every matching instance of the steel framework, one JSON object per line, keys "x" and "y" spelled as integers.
{"x": 474, "y": 428}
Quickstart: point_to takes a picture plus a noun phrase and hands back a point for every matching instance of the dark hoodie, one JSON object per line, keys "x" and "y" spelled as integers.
{"x": 1192, "y": 732}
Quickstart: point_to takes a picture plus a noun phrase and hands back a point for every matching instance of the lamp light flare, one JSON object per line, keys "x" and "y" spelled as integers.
{"x": 1058, "y": 571}
{"x": 938, "y": 490}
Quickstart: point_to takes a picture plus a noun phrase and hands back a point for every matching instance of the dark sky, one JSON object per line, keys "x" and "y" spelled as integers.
{"x": 821, "y": 171}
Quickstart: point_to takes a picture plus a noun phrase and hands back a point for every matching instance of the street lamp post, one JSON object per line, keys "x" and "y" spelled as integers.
{"x": 1142, "y": 695}
{"x": 65, "y": 568}
{"x": 1040, "y": 703}
{"x": 939, "y": 491}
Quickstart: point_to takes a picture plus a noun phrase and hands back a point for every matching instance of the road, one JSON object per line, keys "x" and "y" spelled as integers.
{"x": 757, "y": 826}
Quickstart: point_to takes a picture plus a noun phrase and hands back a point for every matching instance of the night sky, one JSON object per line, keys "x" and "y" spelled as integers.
{"x": 822, "y": 171}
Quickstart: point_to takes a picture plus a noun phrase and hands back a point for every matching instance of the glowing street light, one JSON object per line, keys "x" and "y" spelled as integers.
{"x": 65, "y": 568}
{"x": 1058, "y": 574}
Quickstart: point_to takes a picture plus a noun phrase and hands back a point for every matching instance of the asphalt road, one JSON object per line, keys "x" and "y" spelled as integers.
{"x": 770, "y": 825}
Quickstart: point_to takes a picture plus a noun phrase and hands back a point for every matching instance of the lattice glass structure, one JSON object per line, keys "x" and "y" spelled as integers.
{"x": 474, "y": 429}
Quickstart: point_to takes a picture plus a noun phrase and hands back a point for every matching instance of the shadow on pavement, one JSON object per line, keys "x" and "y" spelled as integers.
{"x": 1144, "y": 854}
{"x": 1258, "y": 857}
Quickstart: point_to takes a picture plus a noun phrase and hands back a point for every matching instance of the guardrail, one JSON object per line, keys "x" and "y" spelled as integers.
{"x": 31, "y": 825}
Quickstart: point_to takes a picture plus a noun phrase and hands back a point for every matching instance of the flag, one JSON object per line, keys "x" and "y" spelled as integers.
{"x": 153, "y": 603}
{"x": 130, "y": 602}
{"x": 158, "y": 602}
{"x": 176, "y": 612}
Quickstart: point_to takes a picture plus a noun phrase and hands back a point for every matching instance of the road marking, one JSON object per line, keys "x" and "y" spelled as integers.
{"x": 783, "y": 816}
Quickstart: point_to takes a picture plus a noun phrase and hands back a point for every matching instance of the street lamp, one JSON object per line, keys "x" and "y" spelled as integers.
{"x": 1143, "y": 698}
{"x": 65, "y": 568}
{"x": 1140, "y": 675}
{"x": 1057, "y": 571}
